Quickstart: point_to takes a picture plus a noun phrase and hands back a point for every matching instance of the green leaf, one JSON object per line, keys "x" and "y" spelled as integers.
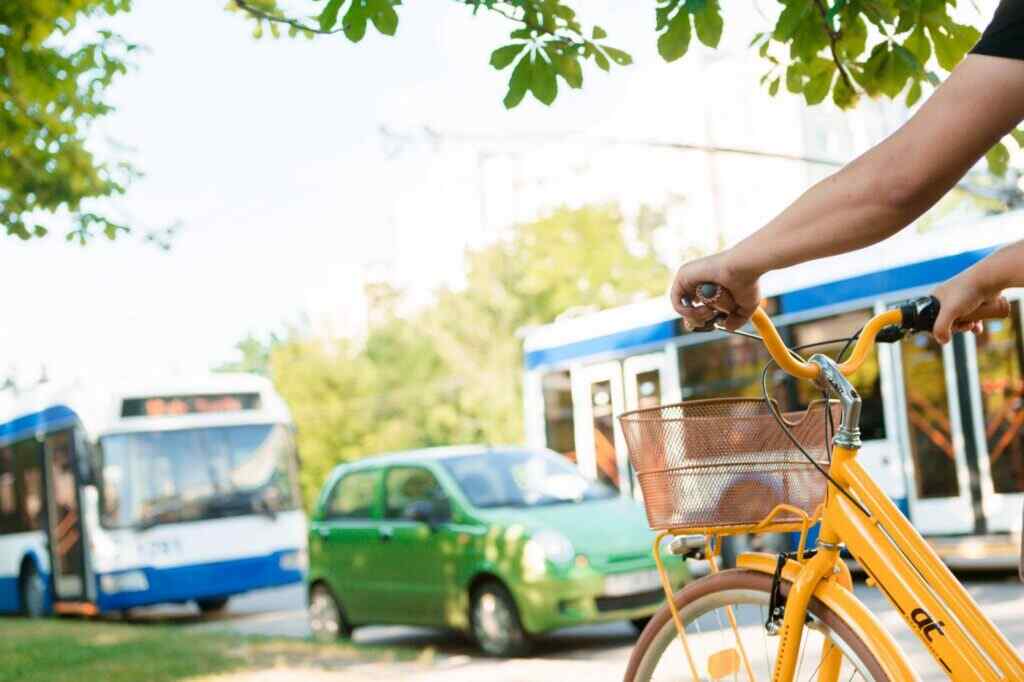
{"x": 329, "y": 16}
{"x": 521, "y": 34}
{"x": 1018, "y": 137}
{"x": 618, "y": 56}
{"x": 914, "y": 94}
{"x": 505, "y": 55}
{"x": 918, "y": 45}
{"x": 384, "y": 17}
{"x": 709, "y": 24}
{"x": 809, "y": 39}
{"x": 817, "y": 88}
{"x": 601, "y": 60}
{"x": 790, "y": 19}
{"x": 569, "y": 69}
{"x": 39, "y": 231}
{"x": 519, "y": 83}
{"x": 795, "y": 77}
{"x": 998, "y": 159}
{"x": 543, "y": 84}
{"x": 598, "y": 33}
{"x": 842, "y": 95}
{"x": 947, "y": 50}
{"x": 673, "y": 43}
{"x": 354, "y": 22}
{"x": 853, "y": 35}
{"x": 773, "y": 89}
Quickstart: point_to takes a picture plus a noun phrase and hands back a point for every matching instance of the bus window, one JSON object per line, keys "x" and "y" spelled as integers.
{"x": 729, "y": 367}
{"x": 1000, "y": 354}
{"x": 867, "y": 380}
{"x": 931, "y": 437}
{"x": 8, "y": 500}
{"x": 28, "y": 482}
{"x": 558, "y": 423}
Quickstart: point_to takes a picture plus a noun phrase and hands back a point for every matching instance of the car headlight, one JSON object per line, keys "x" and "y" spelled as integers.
{"x": 544, "y": 546}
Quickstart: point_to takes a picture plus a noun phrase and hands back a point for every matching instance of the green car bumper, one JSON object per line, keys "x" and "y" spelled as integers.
{"x": 581, "y": 595}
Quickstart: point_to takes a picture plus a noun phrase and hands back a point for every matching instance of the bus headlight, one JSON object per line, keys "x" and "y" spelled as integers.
{"x": 129, "y": 581}
{"x": 296, "y": 560}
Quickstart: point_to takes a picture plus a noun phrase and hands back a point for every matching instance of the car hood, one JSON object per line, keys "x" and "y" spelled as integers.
{"x": 610, "y": 528}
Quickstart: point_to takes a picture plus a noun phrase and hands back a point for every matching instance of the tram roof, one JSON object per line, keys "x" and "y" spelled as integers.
{"x": 904, "y": 262}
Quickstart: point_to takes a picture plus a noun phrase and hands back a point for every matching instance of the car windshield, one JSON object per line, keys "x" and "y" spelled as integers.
{"x": 522, "y": 479}
{"x": 190, "y": 474}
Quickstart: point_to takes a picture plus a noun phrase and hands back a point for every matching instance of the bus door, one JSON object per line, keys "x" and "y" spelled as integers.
{"x": 940, "y": 498}
{"x": 997, "y": 390}
{"x": 598, "y": 399}
{"x": 646, "y": 385}
{"x": 72, "y": 588}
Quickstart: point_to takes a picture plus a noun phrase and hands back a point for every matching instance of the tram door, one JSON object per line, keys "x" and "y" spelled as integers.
{"x": 997, "y": 394}
{"x": 940, "y": 483}
{"x": 598, "y": 399}
{"x": 647, "y": 385}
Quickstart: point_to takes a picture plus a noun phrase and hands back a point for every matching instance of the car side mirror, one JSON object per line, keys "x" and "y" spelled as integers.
{"x": 429, "y": 512}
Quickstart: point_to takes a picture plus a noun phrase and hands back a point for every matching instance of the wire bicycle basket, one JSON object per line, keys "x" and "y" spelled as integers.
{"x": 721, "y": 465}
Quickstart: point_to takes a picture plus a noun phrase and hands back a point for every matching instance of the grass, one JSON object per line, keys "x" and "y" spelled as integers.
{"x": 68, "y": 649}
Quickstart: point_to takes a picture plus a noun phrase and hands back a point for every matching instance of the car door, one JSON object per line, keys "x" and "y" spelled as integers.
{"x": 346, "y": 540}
{"x": 416, "y": 558}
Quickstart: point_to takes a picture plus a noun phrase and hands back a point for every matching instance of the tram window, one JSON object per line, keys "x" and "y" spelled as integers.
{"x": 8, "y": 500}
{"x": 558, "y": 423}
{"x": 21, "y": 487}
{"x": 931, "y": 436}
{"x": 1000, "y": 359}
{"x": 728, "y": 367}
{"x": 867, "y": 380}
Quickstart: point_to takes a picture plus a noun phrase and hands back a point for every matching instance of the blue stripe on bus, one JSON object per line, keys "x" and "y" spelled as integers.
{"x": 631, "y": 338}
{"x": 875, "y": 284}
{"x": 198, "y": 581}
{"x": 852, "y": 288}
{"x": 10, "y": 600}
{"x": 55, "y": 417}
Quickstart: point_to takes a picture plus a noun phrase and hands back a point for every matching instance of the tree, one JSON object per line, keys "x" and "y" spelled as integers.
{"x": 452, "y": 371}
{"x": 842, "y": 48}
{"x": 52, "y": 87}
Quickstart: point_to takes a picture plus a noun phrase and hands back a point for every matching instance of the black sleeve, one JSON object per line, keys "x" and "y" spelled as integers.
{"x": 1004, "y": 37}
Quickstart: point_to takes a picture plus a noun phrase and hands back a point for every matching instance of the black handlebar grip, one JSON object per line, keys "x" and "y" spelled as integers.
{"x": 920, "y": 314}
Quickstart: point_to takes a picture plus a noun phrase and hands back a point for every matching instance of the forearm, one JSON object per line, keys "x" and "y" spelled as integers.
{"x": 892, "y": 184}
{"x": 1001, "y": 270}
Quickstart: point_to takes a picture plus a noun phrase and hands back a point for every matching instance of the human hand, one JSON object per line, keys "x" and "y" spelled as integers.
{"x": 960, "y": 299}
{"x": 723, "y": 270}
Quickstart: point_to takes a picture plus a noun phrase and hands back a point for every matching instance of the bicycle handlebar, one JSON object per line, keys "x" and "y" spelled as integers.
{"x": 913, "y": 316}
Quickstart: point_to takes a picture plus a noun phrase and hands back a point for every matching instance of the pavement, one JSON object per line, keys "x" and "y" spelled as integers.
{"x": 592, "y": 653}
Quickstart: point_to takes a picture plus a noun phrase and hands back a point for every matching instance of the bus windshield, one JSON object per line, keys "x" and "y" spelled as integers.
{"x": 156, "y": 477}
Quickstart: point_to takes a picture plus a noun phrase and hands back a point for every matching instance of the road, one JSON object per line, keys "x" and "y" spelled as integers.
{"x": 595, "y": 653}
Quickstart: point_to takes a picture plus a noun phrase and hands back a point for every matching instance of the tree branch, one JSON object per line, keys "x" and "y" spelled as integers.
{"x": 280, "y": 19}
{"x": 833, "y": 37}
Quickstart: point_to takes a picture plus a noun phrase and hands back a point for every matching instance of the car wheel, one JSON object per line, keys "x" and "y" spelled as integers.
{"x": 213, "y": 605}
{"x": 639, "y": 623}
{"x": 495, "y": 622}
{"x": 326, "y": 620}
{"x": 33, "y": 592}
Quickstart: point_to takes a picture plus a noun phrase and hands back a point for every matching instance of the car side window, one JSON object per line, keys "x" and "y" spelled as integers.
{"x": 353, "y": 496}
{"x": 405, "y": 485}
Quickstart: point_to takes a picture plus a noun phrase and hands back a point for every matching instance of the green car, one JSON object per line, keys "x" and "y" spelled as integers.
{"x": 502, "y": 543}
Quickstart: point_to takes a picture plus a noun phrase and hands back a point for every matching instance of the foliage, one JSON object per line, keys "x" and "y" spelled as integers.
{"x": 53, "y": 85}
{"x": 842, "y": 48}
{"x": 451, "y": 372}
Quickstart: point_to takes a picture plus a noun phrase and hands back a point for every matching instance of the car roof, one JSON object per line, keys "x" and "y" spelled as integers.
{"x": 424, "y": 455}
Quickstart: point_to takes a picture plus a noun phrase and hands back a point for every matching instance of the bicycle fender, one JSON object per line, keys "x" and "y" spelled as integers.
{"x": 846, "y": 605}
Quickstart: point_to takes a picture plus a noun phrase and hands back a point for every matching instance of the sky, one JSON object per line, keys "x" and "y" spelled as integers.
{"x": 269, "y": 155}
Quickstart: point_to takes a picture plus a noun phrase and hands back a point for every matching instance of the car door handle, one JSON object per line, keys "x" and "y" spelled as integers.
{"x": 386, "y": 534}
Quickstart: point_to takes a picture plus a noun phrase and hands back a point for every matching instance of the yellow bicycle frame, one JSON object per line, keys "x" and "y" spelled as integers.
{"x": 935, "y": 606}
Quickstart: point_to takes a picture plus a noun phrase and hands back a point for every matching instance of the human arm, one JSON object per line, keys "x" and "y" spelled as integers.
{"x": 876, "y": 195}
{"x": 982, "y": 282}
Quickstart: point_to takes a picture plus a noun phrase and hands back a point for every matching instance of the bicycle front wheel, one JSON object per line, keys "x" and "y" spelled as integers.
{"x": 704, "y": 609}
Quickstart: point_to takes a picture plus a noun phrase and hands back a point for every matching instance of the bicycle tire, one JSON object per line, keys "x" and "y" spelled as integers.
{"x": 729, "y": 587}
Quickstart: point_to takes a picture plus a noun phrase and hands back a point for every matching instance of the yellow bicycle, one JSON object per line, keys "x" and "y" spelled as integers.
{"x": 713, "y": 468}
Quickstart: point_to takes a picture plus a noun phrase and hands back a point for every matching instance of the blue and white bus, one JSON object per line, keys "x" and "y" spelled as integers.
{"x": 943, "y": 426}
{"x": 144, "y": 493}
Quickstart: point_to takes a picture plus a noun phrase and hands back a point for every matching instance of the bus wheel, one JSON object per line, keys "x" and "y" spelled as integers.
{"x": 33, "y": 591}
{"x": 214, "y": 605}
{"x": 326, "y": 620}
